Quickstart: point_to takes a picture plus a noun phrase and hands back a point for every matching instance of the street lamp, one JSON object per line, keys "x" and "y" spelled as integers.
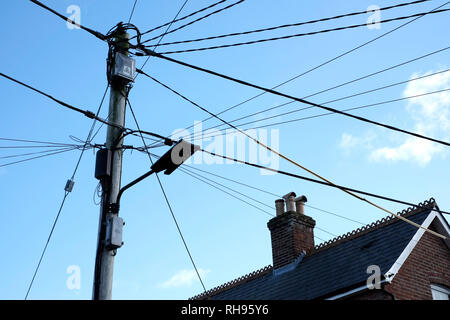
{"x": 168, "y": 163}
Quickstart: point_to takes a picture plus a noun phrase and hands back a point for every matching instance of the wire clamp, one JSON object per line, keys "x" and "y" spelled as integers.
{"x": 69, "y": 185}
{"x": 89, "y": 114}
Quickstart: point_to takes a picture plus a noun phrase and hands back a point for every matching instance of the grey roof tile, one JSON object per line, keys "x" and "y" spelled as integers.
{"x": 331, "y": 269}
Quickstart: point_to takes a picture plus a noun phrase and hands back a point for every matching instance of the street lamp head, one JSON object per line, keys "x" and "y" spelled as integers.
{"x": 175, "y": 157}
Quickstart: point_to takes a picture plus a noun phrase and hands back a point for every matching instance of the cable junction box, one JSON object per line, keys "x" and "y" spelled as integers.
{"x": 114, "y": 228}
{"x": 103, "y": 164}
{"x": 124, "y": 67}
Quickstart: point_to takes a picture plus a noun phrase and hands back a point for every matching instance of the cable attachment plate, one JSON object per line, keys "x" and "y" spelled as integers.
{"x": 113, "y": 208}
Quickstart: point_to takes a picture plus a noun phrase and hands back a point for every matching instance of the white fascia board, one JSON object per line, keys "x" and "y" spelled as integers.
{"x": 350, "y": 292}
{"x": 442, "y": 227}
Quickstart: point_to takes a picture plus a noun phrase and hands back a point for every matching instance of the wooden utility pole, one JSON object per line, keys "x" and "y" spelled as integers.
{"x": 110, "y": 162}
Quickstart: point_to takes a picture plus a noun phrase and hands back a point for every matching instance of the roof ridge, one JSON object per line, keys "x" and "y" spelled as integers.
{"x": 233, "y": 283}
{"x": 422, "y": 206}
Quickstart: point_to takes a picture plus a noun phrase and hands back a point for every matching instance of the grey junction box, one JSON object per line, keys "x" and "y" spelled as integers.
{"x": 124, "y": 67}
{"x": 114, "y": 233}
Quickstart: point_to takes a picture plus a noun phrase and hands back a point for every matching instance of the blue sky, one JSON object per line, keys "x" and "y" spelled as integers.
{"x": 227, "y": 238}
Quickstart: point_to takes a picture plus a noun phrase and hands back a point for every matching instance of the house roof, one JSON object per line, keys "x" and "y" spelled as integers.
{"x": 330, "y": 267}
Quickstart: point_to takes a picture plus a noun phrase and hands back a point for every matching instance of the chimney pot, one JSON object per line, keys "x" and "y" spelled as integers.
{"x": 289, "y": 198}
{"x": 290, "y": 194}
{"x": 290, "y": 204}
{"x": 279, "y": 206}
{"x": 300, "y": 204}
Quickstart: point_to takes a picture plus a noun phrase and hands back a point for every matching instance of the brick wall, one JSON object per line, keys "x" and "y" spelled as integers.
{"x": 375, "y": 294}
{"x": 428, "y": 263}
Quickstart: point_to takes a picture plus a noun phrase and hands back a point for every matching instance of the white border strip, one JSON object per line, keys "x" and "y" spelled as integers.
{"x": 347, "y": 293}
{"x": 389, "y": 275}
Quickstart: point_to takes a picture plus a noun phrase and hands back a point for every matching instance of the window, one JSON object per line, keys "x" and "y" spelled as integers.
{"x": 440, "y": 292}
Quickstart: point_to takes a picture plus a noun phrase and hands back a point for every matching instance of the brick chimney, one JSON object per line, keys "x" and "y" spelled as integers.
{"x": 292, "y": 232}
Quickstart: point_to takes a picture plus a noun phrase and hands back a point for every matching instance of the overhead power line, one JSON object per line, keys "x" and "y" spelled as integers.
{"x": 332, "y": 101}
{"x": 282, "y": 95}
{"x": 36, "y": 152}
{"x": 66, "y": 192}
{"x": 204, "y": 180}
{"x": 291, "y": 24}
{"x": 293, "y": 175}
{"x": 196, "y": 176}
{"x": 222, "y": 185}
{"x": 301, "y": 34}
{"x": 264, "y": 191}
{"x": 89, "y": 137}
{"x": 162, "y": 37}
{"x": 167, "y": 199}
{"x": 93, "y": 32}
{"x": 349, "y": 109}
{"x": 285, "y": 157}
{"x": 214, "y": 184}
{"x": 132, "y": 11}
{"x": 49, "y": 153}
{"x": 89, "y": 114}
{"x": 194, "y": 21}
{"x": 182, "y": 18}
{"x": 297, "y": 176}
{"x": 153, "y": 53}
{"x": 320, "y": 239}
{"x": 146, "y": 50}
{"x": 376, "y": 72}
{"x": 37, "y": 142}
{"x": 151, "y": 160}
{"x": 234, "y": 181}
{"x": 36, "y": 147}
{"x": 345, "y": 53}
{"x": 335, "y": 214}
{"x": 390, "y": 199}
{"x": 86, "y": 113}
{"x": 201, "y": 178}
{"x": 323, "y": 91}
{"x": 189, "y": 170}
{"x": 317, "y": 115}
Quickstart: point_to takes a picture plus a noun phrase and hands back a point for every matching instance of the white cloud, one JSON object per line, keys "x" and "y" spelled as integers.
{"x": 183, "y": 278}
{"x": 416, "y": 149}
{"x": 431, "y": 116}
{"x": 349, "y": 141}
{"x": 432, "y": 111}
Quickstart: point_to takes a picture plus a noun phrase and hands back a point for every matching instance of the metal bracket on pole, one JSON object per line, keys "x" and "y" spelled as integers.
{"x": 113, "y": 208}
